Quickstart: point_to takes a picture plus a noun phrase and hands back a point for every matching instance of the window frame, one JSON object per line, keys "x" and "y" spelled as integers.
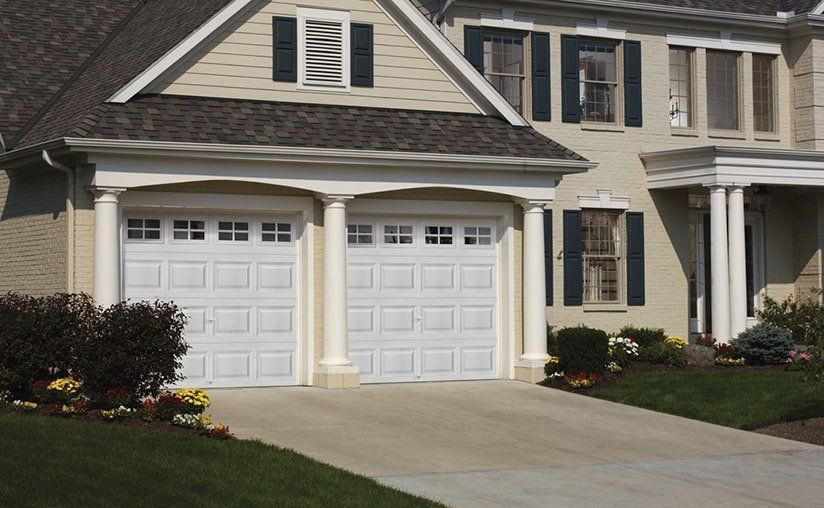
{"x": 305, "y": 14}
{"x": 372, "y": 244}
{"x": 234, "y": 220}
{"x": 477, "y": 236}
{"x": 619, "y": 80}
{"x": 144, "y": 218}
{"x": 526, "y": 47}
{"x": 773, "y": 94}
{"x": 739, "y": 91}
{"x": 620, "y": 257}
{"x": 692, "y": 82}
{"x": 455, "y": 235}
{"x": 277, "y": 221}
{"x": 188, "y": 229}
{"x": 398, "y": 234}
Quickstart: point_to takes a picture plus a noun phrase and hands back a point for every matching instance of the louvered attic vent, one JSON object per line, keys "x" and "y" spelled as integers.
{"x": 324, "y": 44}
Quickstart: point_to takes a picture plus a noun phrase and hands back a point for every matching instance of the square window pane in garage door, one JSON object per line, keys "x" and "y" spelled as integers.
{"x": 189, "y": 229}
{"x": 477, "y": 235}
{"x": 359, "y": 234}
{"x": 230, "y": 231}
{"x": 142, "y": 229}
{"x": 276, "y": 232}
{"x": 438, "y": 235}
{"x": 398, "y": 234}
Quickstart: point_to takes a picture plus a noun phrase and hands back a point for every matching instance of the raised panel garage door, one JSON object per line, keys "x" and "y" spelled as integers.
{"x": 235, "y": 277}
{"x": 422, "y": 298}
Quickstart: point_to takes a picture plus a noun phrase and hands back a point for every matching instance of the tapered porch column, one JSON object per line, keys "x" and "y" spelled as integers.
{"x": 738, "y": 266}
{"x": 106, "y": 280}
{"x": 335, "y": 370}
{"x": 531, "y": 365}
{"x": 720, "y": 267}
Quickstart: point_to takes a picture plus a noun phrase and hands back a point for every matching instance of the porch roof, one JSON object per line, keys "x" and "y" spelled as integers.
{"x": 733, "y": 165}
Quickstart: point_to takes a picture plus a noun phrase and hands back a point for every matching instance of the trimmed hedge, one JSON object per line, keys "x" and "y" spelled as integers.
{"x": 135, "y": 348}
{"x": 643, "y": 336}
{"x": 582, "y": 349}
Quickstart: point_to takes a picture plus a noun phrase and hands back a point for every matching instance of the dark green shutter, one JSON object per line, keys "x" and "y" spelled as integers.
{"x": 635, "y": 259}
{"x": 362, "y": 61}
{"x": 633, "y": 110}
{"x": 285, "y": 34}
{"x": 540, "y": 76}
{"x": 573, "y": 260}
{"x": 570, "y": 80}
{"x": 474, "y": 46}
{"x": 548, "y": 255}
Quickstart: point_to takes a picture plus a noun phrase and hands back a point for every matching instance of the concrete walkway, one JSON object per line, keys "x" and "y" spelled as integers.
{"x": 496, "y": 443}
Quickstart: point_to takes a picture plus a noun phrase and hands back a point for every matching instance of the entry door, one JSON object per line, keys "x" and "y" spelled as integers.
{"x": 422, "y": 298}
{"x": 234, "y": 277}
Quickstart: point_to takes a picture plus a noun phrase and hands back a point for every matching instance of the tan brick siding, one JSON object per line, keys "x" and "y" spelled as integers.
{"x": 33, "y": 232}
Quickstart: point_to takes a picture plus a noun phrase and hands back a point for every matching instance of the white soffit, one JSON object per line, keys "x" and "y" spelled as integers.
{"x": 601, "y": 30}
{"x": 507, "y": 19}
{"x": 725, "y": 41}
{"x": 604, "y": 199}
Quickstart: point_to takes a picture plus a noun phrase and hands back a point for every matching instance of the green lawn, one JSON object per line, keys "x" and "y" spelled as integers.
{"x": 57, "y": 462}
{"x": 745, "y": 399}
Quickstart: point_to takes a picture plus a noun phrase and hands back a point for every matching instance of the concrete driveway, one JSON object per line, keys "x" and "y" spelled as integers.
{"x": 495, "y": 443}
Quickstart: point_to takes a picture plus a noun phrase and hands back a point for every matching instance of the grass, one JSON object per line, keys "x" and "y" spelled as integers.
{"x": 744, "y": 399}
{"x": 56, "y": 462}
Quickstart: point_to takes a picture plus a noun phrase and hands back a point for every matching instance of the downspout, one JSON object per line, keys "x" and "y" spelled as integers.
{"x": 70, "y": 201}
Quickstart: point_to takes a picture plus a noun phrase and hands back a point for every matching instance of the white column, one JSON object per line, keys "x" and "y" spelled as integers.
{"x": 719, "y": 260}
{"x": 106, "y": 246}
{"x": 335, "y": 301}
{"x": 534, "y": 278}
{"x": 738, "y": 266}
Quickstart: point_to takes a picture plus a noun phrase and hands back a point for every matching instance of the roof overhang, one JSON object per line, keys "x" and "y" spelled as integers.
{"x": 731, "y": 165}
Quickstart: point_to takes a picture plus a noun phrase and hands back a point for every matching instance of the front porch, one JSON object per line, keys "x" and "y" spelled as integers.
{"x": 756, "y": 229}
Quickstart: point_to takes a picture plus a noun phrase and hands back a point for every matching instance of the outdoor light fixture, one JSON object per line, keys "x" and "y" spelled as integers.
{"x": 763, "y": 198}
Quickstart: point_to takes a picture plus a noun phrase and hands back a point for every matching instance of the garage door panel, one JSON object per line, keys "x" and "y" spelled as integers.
{"x": 397, "y": 277}
{"x": 439, "y": 361}
{"x": 398, "y": 362}
{"x": 475, "y": 277}
{"x": 276, "y": 276}
{"x": 438, "y": 319}
{"x": 396, "y": 320}
{"x": 362, "y": 320}
{"x": 187, "y": 276}
{"x": 144, "y": 275}
{"x": 477, "y": 318}
{"x": 438, "y": 277}
{"x": 195, "y": 365}
{"x": 361, "y": 277}
{"x": 275, "y": 364}
{"x": 233, "y": 365}
{"x": 364, "y": 359}
{"x": 275, "y": 320}
{"x": 478, "y": 360}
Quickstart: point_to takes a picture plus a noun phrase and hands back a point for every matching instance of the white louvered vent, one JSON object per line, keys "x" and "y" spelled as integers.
{"x": 324, "y": 41}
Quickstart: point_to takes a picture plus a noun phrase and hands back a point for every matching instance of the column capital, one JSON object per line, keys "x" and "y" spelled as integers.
{"x": 335, "y": 199}
{"x": 533, "y": 205}
{"x": 725, "y": 186}
{"x": 106, "y": 194}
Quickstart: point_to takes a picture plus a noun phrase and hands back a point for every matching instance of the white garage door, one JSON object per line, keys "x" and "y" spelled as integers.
{"x": 235, "y": 277}
{"x": 422, "y": 298}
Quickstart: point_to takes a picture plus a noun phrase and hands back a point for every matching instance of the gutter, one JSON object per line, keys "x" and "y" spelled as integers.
{"x": 71, "y": 196}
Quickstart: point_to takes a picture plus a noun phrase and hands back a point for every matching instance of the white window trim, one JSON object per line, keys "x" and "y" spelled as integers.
{"x": 250, "y": 232}
{"x": 507, "y": 19}
{"x": 343, "y": 17}
{"x": 604, "y": 200}
{"x": 274, "y": 220}
{"x": 622, "y": 289}
{"x": 477, "y": 225}
{"x": 600, "y": 30}
{"x": 189, "y": 219}
{"x": 456, "y": 235}
{"x": 143, "y": 217}
{"x": 725, "y": 42}
{"x": 375, "y": 232}
{"x": 399, "y": 224}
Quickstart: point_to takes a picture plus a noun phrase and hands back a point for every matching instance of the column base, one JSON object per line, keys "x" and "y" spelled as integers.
{"x": 530, "y": 371}
{"x": 336, "y": 377}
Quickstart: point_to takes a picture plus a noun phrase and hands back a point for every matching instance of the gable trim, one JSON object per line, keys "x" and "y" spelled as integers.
{"x": 149, "y": 75}
{"x": 818, "y": 9}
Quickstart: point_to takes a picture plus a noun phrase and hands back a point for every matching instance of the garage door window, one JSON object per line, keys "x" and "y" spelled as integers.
{"x": 229, "y": 231}
{"x": 276, "y": 232}
{"x": 143, "y": 229}
{"x": 477, "y": 235}
{"x": 359, "y": 234}
{"x": 396, "y": 234}
{"x": 189, "y": 230}
{"x": 438, "y": 235}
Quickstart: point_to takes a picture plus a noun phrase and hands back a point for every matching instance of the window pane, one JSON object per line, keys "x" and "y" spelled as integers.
{"x": 504, "y": 65}
{"x": 680, "y": 87}
{"x": 722, "y": 90}
{"x": 763, "y": 92}
{"x": 601, "y": 247}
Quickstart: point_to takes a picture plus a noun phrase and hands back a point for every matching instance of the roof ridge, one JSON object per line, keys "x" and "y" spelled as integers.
{"x": 77, "y": 72}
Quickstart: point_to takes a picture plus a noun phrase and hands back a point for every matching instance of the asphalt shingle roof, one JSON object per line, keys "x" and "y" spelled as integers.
{"x": 763, "y": 7}
{"x": 241, "y": 122}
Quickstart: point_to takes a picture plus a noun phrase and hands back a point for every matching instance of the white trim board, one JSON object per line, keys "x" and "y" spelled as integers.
{"x": 605, "y": 200}
{"x": 601, "y": 30}
{"x": 507, "y": 19}
{"x": 818, "y": 9}
{"x": 726, "y": 42}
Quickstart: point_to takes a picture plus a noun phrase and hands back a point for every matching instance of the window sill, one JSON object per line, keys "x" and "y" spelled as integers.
{"x": 767, "y": 136}
{"x": 605, "y": 127}
{"x": 605, "y": 307}
{"x": 727, "y": 134}
{"x": 684, "y": 131}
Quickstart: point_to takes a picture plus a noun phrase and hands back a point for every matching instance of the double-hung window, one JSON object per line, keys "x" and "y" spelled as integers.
{"x": 763, "y": 93}
{"x": 599, "y": 80}
{"x": 601, "y": 252}
{"x": 504, "y": 65}
{"x": 723, "y": 103}
{"x": 680, "y": 88}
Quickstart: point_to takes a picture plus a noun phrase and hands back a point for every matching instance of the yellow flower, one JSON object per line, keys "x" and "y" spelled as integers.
{"x": 30, "y": 405}
{"x": 194, "y": 396}
{"x": 553, "y": 359}
{"x": 65, "y": 384}
{"x": 677, "y": 342}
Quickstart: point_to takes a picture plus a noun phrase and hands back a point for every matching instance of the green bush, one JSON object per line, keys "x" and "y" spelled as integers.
{"x": 763, "y": 344}
{"x": 663, "y": 353}
{"x": 803, "y": 317}
{"x": 582, "y": 349}
{"x": 643, "y": 336}
{"x": 135, "y": 348}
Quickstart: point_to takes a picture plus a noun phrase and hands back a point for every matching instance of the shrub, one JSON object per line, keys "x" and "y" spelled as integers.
{"x": 551, "y": 342}
{"x": 664, "y": 352}
{"x": 552, "y": 368}
{"x": 643, "y": 336}
{"x": 134, "y": 346}
{"x": 582, "y": 349}
{"x": 803, "y": 317}
{"x": 38, "y": 336}
{"x": 167, "y": 406}
{"x": 763, "y": 344}
{"x": 622, "y": 351}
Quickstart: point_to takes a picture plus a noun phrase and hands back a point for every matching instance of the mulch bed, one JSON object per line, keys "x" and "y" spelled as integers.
{"x": 809, "y": 431}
